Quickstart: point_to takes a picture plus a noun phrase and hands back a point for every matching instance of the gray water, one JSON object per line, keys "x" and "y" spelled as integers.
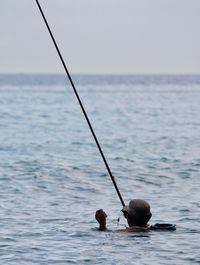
{"x": 53, "y": 178}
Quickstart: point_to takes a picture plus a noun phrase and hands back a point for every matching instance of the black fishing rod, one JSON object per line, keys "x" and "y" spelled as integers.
{"x": 80, "y": 103}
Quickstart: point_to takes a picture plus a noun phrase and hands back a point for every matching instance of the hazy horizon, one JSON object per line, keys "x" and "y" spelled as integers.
{"x": 112, "y": 37}
{"x": 62, "y": 73}
{"x": 98, "y": 74}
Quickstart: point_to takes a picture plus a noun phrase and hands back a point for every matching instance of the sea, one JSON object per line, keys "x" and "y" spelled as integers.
{"x": 53, "y": 178}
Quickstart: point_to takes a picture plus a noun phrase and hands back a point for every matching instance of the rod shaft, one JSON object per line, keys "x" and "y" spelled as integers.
{"x": 80, "y": 103}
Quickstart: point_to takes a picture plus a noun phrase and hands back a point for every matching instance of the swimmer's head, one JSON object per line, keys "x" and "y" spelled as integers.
{"x": 137, "y": 212}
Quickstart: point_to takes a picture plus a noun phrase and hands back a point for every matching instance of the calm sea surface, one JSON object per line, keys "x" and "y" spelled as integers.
{"x": 52, "y": 177}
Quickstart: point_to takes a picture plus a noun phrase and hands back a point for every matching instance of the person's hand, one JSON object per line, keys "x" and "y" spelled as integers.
{"x": 125, "y": 213}
{"x": 100, "y": 216}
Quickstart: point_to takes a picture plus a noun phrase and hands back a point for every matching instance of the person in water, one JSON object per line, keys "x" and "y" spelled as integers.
{"x": 137, "y": 214}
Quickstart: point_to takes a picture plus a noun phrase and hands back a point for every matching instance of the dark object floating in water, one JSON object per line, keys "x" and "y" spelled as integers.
{"x": 163, "y": 227}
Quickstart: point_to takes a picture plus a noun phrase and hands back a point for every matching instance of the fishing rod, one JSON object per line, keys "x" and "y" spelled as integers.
{"x": 80, "y": 103}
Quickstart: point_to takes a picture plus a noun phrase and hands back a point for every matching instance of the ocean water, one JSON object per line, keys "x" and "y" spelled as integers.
{"x": 53, "y": 178}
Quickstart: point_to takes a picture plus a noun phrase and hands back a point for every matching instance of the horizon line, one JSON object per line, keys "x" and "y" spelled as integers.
{"x": 100, "y": 74}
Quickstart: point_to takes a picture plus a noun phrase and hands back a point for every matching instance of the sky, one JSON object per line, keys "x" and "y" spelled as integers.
{"x": 101, "y": 36}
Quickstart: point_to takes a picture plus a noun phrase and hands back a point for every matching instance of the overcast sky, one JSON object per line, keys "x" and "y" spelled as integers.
{"x": 101, "y": 36}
